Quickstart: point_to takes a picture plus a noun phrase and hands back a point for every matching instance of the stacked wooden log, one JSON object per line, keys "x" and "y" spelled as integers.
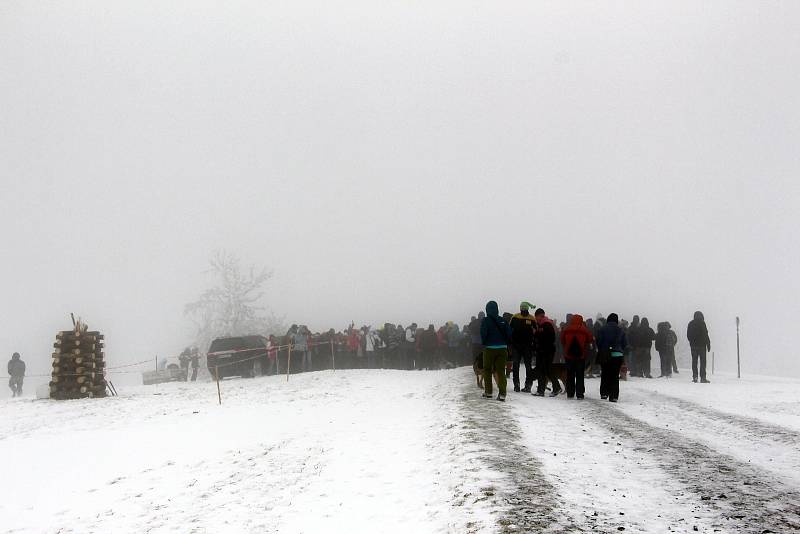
{"x": 78, "y": 364}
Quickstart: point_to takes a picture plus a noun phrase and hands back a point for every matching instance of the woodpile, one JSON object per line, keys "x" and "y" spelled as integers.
{"x": 78, "y": 364}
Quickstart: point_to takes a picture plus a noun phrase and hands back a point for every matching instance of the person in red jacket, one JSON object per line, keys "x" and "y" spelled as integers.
{"x": 575, "y": 338}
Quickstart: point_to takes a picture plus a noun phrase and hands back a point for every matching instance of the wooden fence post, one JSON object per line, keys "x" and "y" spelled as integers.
{"x": 219, "y": 394}
{"x": 289, "y": 362}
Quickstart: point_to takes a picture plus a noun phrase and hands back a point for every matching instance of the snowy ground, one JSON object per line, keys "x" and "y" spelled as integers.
{"x": 393, "y": 451}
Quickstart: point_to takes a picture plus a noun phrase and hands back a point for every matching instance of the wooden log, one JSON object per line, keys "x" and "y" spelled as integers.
{"x": 77, "y": 362}
{"x": 96, "y": 356}
{"x": 71, "y": 334}
{"x": 86, "y": 347}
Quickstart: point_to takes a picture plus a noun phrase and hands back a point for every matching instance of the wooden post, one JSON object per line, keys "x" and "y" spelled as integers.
{"x": 216, "y": 375}
{"x": 333, "y": 357}
{"x": 289, "y": 362}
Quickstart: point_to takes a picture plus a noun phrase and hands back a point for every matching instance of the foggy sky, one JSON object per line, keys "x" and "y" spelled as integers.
{"x": 399, "y": 161}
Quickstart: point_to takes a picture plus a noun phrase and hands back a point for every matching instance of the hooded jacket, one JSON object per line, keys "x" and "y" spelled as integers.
{"x": 697, "y": 332}
{"x": 576, "y": 332}
{"x": 495, "y": 332}
{"x": 612, "y": 337}
{"x": 16, "y": 367}
{"x": 645, "y": 335}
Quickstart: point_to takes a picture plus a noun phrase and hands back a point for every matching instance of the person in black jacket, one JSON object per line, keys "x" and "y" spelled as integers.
{"x": 633, "y": 339}
{"x": 661, "y": 349}
{"x": 611, "y": 347}
{"x": 16, "y": 372}
{"x": 495, "y": 337}
{"x": 545, "y": 345}
{"x": 645, "y": 337}
{"x": 523, "y": 326}
{"x": 697, "y": 333}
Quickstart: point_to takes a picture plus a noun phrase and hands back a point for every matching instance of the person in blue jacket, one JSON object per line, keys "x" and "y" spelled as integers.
{"x": 495, "y": 337}
{"x": 611, "y": 346}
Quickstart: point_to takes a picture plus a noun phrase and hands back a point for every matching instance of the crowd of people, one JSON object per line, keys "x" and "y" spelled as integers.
{"x": 574, "y": 349}
{"x": 497, "y": 346}
{"x": 615, "y": 347}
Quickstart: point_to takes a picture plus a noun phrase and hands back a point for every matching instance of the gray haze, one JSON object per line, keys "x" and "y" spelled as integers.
{"x": 399, "y": 161}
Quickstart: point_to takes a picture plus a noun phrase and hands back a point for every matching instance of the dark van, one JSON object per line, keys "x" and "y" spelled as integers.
{"x": 236, "y": 356}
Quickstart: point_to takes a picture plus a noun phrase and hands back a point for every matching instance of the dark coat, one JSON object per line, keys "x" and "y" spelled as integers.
{"x": 16, "y": 367}
{"x": 522, "y": 329}
{"x": 545, "y": 337}
{"x": 697, "y": 332}
{"x": 644, "y": 335}
{"x": 494, "y": 329}
{"x": 612, "y": 337}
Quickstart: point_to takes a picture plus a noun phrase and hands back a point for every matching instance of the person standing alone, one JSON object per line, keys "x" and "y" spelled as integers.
{"x": 700, "y": 344}
{"x": 16, "y": 372}
{"x": 495, "y": 337}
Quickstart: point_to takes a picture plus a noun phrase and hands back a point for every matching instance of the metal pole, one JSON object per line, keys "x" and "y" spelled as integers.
{"x": 738, "y": 359}
{"x": 219, "y": 394}
{"x": 289, "y": 362}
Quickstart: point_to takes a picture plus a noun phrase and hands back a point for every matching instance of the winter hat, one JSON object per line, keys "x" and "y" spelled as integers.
{"x": 539, "y": 311}
{"x": 612, "y": 318}
{"x": 525, "y": 305}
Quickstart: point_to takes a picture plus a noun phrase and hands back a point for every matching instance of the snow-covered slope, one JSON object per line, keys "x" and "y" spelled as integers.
{"x": 393, "y": 451}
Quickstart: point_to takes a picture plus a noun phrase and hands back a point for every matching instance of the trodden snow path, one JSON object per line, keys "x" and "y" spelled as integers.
{"x": 394, "y": 451}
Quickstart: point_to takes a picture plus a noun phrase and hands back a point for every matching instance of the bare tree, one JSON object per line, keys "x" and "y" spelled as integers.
{"x": 231, "y": 308}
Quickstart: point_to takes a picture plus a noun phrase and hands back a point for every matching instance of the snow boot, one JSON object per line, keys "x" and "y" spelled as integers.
{"x": 538, "y": 393}
{"x": 501, "y": 398}
{"x": 485, "y": 396}
{"x": 704, "y": 381}
{"x": 555, "y": 392}
{"x": 526, "y": 389}
{"x": 612, "y": 400}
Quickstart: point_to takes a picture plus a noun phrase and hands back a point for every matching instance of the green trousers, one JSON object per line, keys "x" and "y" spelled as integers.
{"x": 494, "y": 362}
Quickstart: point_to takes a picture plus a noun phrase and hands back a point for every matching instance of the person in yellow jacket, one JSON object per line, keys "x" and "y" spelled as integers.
{"x": 523, "y": 327}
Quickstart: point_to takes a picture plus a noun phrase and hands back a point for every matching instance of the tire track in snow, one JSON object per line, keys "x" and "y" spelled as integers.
{"x": 526, "y": 501}
{"x": 762, "y": 429}
{"x": 747, "y": 498}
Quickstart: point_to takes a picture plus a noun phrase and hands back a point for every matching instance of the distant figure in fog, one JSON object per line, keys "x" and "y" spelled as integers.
{"x": 611, "y": 347}
{"x": 194, "y": 359}
{"x": 16, "y": 372}
{"x": 700, "y": 344}
{"x": 495, "y": 338}
{"x": 645, "y": 337}
{"x": 300, "y": 344}
{"x": 665, "y": 346}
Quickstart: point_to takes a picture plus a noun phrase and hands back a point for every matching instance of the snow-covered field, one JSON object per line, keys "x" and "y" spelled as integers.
{"x": 394, "y": 451}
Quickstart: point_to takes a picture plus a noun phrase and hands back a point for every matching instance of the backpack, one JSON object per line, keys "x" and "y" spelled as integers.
{"x": 574, "y": 350}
